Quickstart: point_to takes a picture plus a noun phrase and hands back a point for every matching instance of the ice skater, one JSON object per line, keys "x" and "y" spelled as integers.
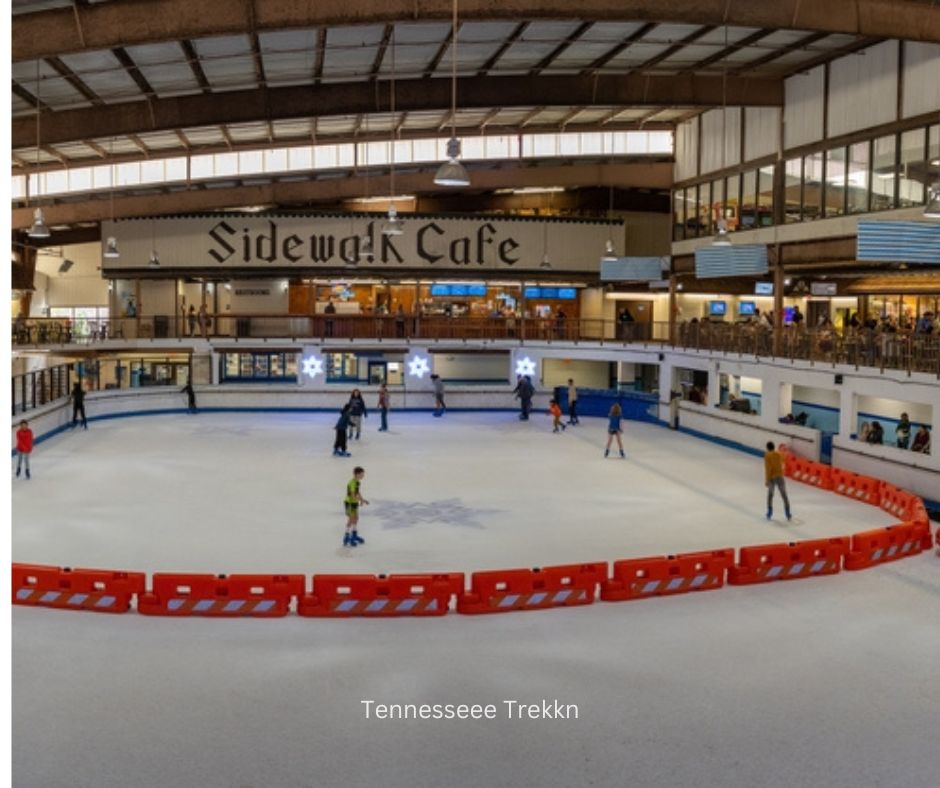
{"x": 555, "y": 409}
{"x": 773, "y": 477}
{"x": 572, "y": 402}
{"x": 78, "y": 405}
{"x": 439, "y": 406}
{"x": 383, "y": 406}
{"x": 190, "y": 396}
{"x": 357, "y": 409}
{"x": 352, "y": 502}
{"x": 614, "y": 429}
{"x": 342, "y": 424}
{"x": 24, "y": 447}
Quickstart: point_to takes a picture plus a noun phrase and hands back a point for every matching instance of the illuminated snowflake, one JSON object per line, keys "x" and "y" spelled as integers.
{"x": 525, "y": 366}
{"x": 418, "y": 366}
{"x": 312, "y": 366}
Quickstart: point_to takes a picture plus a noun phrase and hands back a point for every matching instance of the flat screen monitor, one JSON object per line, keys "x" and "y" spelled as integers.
{"x": 567, "y": 293}
{"x": 533, "y": 292}
{"x": 717, "y": 308}
{"x": 458, "y": 290}
{"x": 549, "y": 292}
{"x": 477, "y": 291}
{"x": 764, "y": 288}
{"x": 440, "y": 290}
{"x": 788, "y": 314}
{"x": 746, "y": 308}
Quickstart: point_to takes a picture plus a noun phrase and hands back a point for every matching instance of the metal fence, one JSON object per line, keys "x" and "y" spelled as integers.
{"x": 42, "y": 386}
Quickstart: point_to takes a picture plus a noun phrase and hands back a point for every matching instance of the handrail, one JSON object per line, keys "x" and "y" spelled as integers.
{"x": 902, "y": 350}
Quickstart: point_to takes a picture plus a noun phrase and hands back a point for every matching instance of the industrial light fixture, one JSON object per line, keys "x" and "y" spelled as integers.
{"x": 66, "y": 265}
{"x": 546, "y": 263}
{"x": 154, "y": 261}
{"x": 39, "y": 228}
{"x": 932, "y": 209}
{"x": 452, "y": 172}
{"x": 610, "y": 252}
{"x": 394, "y": 225}
{"x": 111, "y": 249}
{"x": 721, "y": 236}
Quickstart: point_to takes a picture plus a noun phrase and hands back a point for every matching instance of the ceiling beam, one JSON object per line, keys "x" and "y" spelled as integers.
{"x": 501, "y": 49}
{"x": 287, "y": 103}
{"x": 192, "y": 57}
{"x": 546, "y": 61}
{"x": 321, "y": 56}
{"x": 380, "y": 52}
{"x": 675, "y": 48}
{"x": 770, "y": 57}
{"x": 729, "y": 50}
{"x": 72, "y": 78}
{"x": 131, "y": 68}
{"x": 29, "y": 98}
{"x": 108, "y": 25}
{"x": 286, "y": 194}
{"x": 611, "y": 53}
{"x": 436, "y": 60}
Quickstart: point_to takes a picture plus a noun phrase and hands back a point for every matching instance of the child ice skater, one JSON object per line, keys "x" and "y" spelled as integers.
{"x": 352, "y": 501}
{"x": 614, "y": 429}
{"x": 24, "y": 447}
{"x": 773, "y": 477}
{"x": 555, "y": 410}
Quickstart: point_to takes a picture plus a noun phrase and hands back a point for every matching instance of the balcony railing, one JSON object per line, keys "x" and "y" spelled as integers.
{"x": 864, "y": 347}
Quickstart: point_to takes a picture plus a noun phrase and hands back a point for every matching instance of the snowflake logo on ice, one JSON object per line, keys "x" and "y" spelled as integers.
{"x": 525, "y": 366}
{"x": 418, "y": 366}
{"x": 312, "y": 366}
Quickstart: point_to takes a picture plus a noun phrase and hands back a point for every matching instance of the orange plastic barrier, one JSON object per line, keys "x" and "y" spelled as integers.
{"x": 100, "y": 590}
{"x": 881, "y": 545}
{"x": 258, "y": 596}
{"x": 638, "y": 578}
{"x": 808, "y": 472}
{"x": 342, "y": 596}
{"x": 764, "y": 563}
{"x": 896, "y": 501}
{"x": 532, "y": 589}
{"x": 853, "y": 485}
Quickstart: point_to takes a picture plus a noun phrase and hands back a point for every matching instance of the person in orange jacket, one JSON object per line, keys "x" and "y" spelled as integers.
{"x": 24, "y": 447}
{"x": 555, "y": 409}
{"x": 773, "y": 477}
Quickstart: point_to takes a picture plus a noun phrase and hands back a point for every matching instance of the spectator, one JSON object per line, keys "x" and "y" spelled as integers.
{"x": 877, "y": 434}
{"x": 203, "y": 318}
{"x": 921, "y": 440}
{"x": 925, "y": 324}
{"x": 191, "y": 319}
{"x": 400, "y": 321}
{"x": 903, "y": 431}
{"x": 357, "y": 409}
{"x": 797, "y": 316}
{"x": 864, "y": 431}
{"x": 329, "y": 311}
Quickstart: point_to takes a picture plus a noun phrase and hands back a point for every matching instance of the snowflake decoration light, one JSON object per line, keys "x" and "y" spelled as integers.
{"x": 312, "y": 366}
{"x": 525, "y": 366}
{"x": 418, "y": 366}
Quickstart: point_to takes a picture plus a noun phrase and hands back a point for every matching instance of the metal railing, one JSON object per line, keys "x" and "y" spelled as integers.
{"x": 41, "y": 387}
{"x": 907, "y": 351}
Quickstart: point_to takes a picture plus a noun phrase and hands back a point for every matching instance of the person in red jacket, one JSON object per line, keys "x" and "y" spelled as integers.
{"x": 24, "y": 446}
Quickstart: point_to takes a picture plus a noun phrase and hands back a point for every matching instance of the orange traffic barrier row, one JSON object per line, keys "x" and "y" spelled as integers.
{"x": 639, "y": 578}
{"x": 881, "y": 545}
{"x": 856, "y": 486}
{"x": 810, "y": 558}
{"x": 100, "y": 590}
{"x": 342, "y": 596}
{"x": 896, "y": 501}
{"x": 224, "y": 596}
{"x": 502, "y": 590}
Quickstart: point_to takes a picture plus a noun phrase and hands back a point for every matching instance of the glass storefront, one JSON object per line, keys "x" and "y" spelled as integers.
{"x": 259, "y": 367}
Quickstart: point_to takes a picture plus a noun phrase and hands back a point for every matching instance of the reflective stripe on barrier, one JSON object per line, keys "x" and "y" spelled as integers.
{"x": 258, "y": 596}
{"x": 808, "y": 472}
{"x": 810, "y": 558}
{"x": 881, "y": 545}
{"x": 100, "y": 590}
{"x": 896, "y": 501}
{"x": 853, "y": 485}
{"x": 639, "y": 578}
{"x": 343, "y": 596}
{"x": 502, "y": 590}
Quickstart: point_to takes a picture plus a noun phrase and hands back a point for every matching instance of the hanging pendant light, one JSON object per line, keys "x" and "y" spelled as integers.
{"x": 610, "y": 253}
{"x": 546, "y": 262}
{"x": 111, "y": 249}
{"x": 39, "y": 228}
{"x": 452, "y": 172}
{"x": 393, "y": 225}
{"x": 154, "y": 261}
{"x": 932, "y": 209}
{"x": 722, "y": 238}
{"x": 365, "y": 248}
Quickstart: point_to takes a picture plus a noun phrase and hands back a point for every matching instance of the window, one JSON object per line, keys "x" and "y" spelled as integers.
{"x": 884, "y": 174}
{"x": 678, "y": 215}
{"x": 812, "y": 186}
{"x": 858, "y": 180}
{"x": 341, "y": 367}
{"x": 913, "y": 175}
{"x": 733, "y": 202}
{"x": 765, "y": 196}
{"x": 835, "y": 182}
{"x": 749, "y": 200}
{"x": 793, "y": 191}
{"x": 259, "y": 367}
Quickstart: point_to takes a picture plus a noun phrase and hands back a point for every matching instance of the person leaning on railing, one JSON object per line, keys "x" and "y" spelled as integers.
{"x": 921, "y": 442}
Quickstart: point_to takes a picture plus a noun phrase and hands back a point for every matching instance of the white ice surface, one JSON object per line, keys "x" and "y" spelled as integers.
{"x": 824, "y": 682}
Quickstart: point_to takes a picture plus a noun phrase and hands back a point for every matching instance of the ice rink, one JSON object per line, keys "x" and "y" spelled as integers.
{"x": 829, "y": 681}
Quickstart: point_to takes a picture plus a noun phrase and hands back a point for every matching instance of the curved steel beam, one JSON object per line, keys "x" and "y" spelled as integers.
{"x": 131, "y": 22}
{"x": 413, "y": 95}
